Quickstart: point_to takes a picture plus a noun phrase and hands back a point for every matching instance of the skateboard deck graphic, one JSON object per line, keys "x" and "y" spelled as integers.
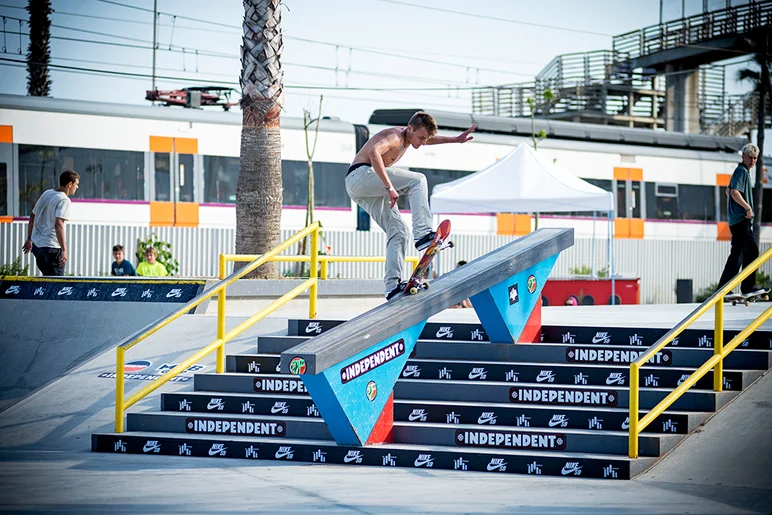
{"x": 747, "y": 298}
{"x": 417, "y": 281}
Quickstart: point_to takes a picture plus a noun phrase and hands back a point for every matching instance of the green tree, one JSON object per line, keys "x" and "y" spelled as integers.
{"x": 259, "y": 190}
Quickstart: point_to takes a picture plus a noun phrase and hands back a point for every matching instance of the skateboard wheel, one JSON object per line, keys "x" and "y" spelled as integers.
{"x": 425, "y": 286}
{"x": 734, "y": 303}
{"x": 747, "y": 303}
{"x": 413, "y": 290}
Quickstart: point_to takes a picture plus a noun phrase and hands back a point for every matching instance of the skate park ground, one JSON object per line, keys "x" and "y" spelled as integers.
{"x": 46, "y": 465}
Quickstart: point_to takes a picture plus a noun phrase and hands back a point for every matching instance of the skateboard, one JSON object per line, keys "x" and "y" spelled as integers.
{"x": 417, "y": 281}
{"x": 746, "y": 299}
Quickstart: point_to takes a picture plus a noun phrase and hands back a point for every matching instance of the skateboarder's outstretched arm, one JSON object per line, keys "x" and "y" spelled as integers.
{"x": 461, "y": 138}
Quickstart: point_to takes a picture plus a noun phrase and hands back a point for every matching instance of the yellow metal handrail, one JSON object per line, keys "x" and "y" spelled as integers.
{"x": 222, "y": 337}
{"x": 323, "y": 259}
{"x": 716, "y": 362}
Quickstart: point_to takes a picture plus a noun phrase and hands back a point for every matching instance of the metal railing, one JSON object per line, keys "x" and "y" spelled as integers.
{"x": 716, "y": 362}
{"x": 323, "y": 260}
{"x": 218, "y": 345}
{"x": 694, "y": 29}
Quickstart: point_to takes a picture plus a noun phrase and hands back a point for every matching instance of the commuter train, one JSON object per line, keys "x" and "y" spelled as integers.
{"x": 168, "y": 166}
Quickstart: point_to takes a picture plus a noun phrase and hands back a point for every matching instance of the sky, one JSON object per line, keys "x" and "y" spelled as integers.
{"x": 360, "y": 55}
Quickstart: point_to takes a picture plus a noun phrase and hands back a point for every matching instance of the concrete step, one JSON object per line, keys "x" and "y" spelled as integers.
{"x": 594, "y": 335}
{"x": 565, "y": 464}
{"x": 445, "y": 412}
{"x": 740, "y": 359}
{"x": 576, "y": 374}
{"x": 471, "y": 391}
{"x": 462, "y": 435}
{"x": 538, "y": 394}
{"x": 575, "y": 440}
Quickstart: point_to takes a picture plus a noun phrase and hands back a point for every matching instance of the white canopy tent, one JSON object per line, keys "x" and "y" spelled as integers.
{"x": 524, "y": 182}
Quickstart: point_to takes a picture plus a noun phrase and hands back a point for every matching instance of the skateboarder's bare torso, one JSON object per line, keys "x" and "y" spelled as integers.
{"x": 393, "y": 139}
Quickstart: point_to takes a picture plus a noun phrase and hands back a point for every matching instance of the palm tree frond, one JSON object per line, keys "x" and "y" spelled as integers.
{"x": 746, "y": 74}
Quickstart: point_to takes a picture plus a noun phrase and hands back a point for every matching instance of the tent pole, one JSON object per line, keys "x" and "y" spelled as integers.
{"x": 594, "y": 214}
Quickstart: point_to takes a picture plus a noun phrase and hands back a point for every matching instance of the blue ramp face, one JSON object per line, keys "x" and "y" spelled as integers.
{"x": 352, "y": 394}
{"x": 505, "y": 308}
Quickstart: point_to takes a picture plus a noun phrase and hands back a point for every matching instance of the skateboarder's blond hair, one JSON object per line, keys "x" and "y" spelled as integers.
{"x": 423, "y": 120}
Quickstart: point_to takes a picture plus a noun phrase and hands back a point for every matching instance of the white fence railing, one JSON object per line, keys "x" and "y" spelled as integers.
{"x": 658, "y": 263}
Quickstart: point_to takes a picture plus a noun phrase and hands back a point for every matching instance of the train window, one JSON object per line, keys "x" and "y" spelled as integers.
{"x": 185, "y": 178}
{"x": 766, "y": 206}
{"x": 329, "y": 185}
{"x": 666, "y": 190}
{"x": 722, "y": 201}
{"x": 636, "y": 199}
{"x": 3, "y": 189}
{"x": 221, "y": 176}
{"x": 622, "y": 200}
{"x": 163, "y": 187}
{"x": 37, "y": 173}
{"x": 105, "y": 174}
{"x": 696, "y": 202}
{"x": 661, "y": 207}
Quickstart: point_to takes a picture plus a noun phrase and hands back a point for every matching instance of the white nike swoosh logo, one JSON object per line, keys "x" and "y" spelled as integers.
{"x": 553, "y": 424}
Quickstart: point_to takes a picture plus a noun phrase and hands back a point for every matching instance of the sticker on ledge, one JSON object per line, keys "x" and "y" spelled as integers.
{"x": 297, "y": 365}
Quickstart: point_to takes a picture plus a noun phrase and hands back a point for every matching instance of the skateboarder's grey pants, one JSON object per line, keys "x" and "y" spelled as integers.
{"x": 366, "y": 189}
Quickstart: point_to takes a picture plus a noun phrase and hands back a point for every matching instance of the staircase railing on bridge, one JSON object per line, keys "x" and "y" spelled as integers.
{"x": 716, "y": 362}
{"x": 694, "y": 29}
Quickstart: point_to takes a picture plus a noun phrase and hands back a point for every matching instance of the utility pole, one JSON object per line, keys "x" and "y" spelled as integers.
{"x": 155, "y": 37}
{"x": 660, "y": 11}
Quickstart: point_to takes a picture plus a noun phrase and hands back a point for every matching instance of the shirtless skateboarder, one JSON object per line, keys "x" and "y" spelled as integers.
{"x": 375, "y": 185}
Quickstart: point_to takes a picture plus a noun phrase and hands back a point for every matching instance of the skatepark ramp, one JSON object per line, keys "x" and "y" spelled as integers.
{"x": 50, "y": 325}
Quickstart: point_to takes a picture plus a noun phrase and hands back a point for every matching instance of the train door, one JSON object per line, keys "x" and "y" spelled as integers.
{"x": 629, "y": 202}
{"x": 175, "y": 185}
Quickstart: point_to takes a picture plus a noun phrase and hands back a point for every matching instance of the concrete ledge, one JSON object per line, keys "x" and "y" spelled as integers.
{"x": 250, "y": 288}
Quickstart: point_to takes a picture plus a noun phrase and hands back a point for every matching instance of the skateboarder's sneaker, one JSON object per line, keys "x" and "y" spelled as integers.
{"x": 425, "y": 241}
{"x": 399, "y": 288}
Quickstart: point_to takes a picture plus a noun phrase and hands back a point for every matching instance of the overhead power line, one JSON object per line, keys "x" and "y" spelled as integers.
{"x": 494, "y": 18}
{"x": 234, "y": 83}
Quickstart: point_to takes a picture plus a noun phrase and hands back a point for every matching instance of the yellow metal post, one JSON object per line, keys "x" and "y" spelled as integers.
{"x": 324, "y": 269}
{"x": 633, "y": 437}
{"x": 119, "y": 358}
{"x": 313, "y": 274}
{"x": 221, "y": 318}
{"x": 718, "y": 347}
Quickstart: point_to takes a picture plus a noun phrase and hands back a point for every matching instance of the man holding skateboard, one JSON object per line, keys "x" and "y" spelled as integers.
{"x": 375, "y": 185}
{"x": 739, "y": 212}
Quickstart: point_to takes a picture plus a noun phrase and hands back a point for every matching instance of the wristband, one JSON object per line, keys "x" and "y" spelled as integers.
{"x": 390, "y": 188}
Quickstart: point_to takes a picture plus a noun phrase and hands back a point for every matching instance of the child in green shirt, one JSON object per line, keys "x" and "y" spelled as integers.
{"x": 150, "y": 267}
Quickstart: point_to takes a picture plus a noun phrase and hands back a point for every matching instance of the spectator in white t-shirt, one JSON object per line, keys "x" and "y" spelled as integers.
{"x": 45, "y": 233}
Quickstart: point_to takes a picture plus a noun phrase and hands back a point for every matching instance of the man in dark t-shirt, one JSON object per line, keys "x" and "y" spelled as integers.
{"x": 739, "y": 212}
{"x": 120, "y": 266}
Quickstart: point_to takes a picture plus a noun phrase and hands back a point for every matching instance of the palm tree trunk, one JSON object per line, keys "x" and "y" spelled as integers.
{"x": 39, "y": 51}
{"x": 759, "y": 190}
{"x": 259, "y": 190}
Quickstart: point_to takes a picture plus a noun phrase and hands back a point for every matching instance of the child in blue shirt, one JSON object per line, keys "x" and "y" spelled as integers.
{"x": 121, "y": 266}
